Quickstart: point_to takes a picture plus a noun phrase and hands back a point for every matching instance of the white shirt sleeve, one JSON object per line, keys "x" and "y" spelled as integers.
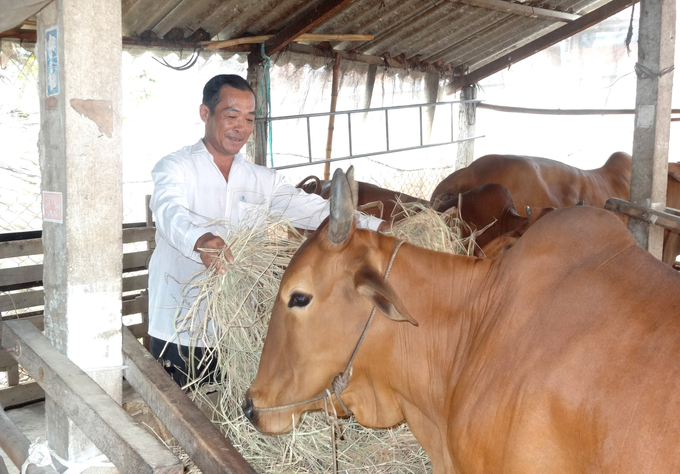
{"x": 307, "y": 211}
{"x": 170, "y": 206}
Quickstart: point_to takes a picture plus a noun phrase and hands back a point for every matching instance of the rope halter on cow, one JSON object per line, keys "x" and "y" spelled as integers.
{"x": 341, "y": 381}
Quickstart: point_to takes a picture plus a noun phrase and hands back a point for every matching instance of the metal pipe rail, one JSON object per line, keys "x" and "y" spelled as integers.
{"x": 349, "y": 113}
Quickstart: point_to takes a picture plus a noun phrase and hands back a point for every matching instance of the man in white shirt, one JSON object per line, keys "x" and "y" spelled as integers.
{"x": 201, "y": 183}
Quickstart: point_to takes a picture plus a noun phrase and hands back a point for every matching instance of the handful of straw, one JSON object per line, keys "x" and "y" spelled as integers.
{"x": 237, "y": 307}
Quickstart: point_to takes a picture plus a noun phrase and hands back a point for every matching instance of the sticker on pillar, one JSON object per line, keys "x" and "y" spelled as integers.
{"x": 51, "y": 50}
{"x": 645, "y": 116}
{"x": 52, "y": 207}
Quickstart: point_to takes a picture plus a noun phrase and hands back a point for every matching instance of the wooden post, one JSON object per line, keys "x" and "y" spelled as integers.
{"x": 206, "y": 446}
{"x": 16, "y": 445}
{"x": 431, "y": 94}
{"x": 81, "y": 179}
{"x": 150, "y": 245}
{"x": 129, "y": 446}
{"x": 257, "y": 144}
{"x": 467, "y": 117}
{"x": 656, "y": 48}
{"x": 331, "y": 118}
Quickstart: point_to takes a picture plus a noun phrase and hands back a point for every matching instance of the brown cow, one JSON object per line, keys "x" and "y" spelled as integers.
{"x": 373, "y": 200}
{"x": 560, "y": 357}
{"x": 540, "y": 182}
{"x": 671, "y": 240}
{"x": 490, "y": 208}
{"x": 501, "y": 244}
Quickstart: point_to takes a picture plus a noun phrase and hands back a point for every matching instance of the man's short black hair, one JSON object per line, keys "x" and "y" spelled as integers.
{"x": 211, "y": 91}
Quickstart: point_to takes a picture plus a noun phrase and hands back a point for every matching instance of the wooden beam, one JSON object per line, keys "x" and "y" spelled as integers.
{"x": 22, "y": 394}
{"x": 667, "y": 220}
{"x": 12, "y": 278}
{"x": 104, "y": 422}
{"x": 16, "y": 445}
{"x": 29, "y": 299}
{"x": 204, "y": 443}
{"x": 310, "y": 37}
{"x": 21, "y": 248}
{"x": 554, "y": 37}
{"x": 139, "y": 304}
{"x": 523, "y": 10}
{"x": 360, "y": 58}
{"x": 307, "y": 20}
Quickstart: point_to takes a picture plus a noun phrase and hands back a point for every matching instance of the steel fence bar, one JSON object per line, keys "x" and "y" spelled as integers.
{"x": 387, "y": 130}
{"x": 364, "y": 155}
{"x": 349, "y": 132}
{"x": 309, "y": 141}
{"x": 421, "y": 124}
{"x": 356, "y": 111}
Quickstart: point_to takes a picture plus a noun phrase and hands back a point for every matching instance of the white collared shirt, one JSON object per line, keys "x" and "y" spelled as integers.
{"x": 189, "y": 192}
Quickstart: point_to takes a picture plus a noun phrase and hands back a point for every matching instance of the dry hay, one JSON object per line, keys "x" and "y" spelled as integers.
{"x": 239, "y": 304}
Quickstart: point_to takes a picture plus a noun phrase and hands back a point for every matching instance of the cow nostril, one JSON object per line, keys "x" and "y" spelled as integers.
{"x": 248, "y": 410}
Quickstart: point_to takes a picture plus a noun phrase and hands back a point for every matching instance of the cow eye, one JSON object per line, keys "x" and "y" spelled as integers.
{"x": 299, "y": 300}
{"x": 447, "y": 196}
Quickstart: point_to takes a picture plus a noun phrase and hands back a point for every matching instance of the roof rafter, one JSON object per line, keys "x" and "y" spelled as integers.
{"x": 554, "y": 37}
{"x": 307, "y": 20}
{"x": 523, "y": 10}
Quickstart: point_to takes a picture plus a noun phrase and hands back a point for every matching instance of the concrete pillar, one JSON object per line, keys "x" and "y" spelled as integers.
{"x": 467, "y": 117}
{"x": 79, "y": 52}
{"x": 656, "y": 49}
{"x": 258, "y": 144}
{"x": 431, "y": 94}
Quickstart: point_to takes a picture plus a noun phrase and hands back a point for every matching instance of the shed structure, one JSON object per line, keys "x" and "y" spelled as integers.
{"x": 79, "y": 47}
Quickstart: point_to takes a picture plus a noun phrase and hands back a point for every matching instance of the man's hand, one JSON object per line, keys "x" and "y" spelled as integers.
{"x": 212, "y": 245}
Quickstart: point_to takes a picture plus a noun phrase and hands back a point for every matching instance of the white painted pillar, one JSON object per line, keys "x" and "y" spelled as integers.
{"x": 467, "y": 117}
{"x": 656, "y": 48}
{"x": 79, "y": 53}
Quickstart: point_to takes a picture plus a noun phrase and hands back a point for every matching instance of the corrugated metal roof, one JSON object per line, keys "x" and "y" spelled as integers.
{"x": 446, "y": 34}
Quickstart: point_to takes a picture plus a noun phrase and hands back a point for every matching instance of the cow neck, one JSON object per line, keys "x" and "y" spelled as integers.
{"x": 341, "y": 381}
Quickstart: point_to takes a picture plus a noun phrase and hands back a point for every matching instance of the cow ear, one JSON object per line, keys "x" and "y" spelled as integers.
{"x": 370, "y": 284}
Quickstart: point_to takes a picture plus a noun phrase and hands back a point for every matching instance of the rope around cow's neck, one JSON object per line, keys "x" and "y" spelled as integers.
{"x": 341, "y": 381}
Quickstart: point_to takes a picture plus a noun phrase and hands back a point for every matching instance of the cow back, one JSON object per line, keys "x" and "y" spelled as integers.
{"x": 540, "y": 182}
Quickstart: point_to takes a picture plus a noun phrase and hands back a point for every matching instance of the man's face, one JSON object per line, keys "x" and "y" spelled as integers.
{"x": 228, "y": 129}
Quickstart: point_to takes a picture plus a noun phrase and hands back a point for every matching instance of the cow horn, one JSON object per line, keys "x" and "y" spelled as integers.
{"x": 353, "y": 186}
{"x": 342, "y": 209}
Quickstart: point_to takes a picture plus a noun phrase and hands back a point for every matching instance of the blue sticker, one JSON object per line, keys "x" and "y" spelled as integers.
{"x": 51, "y": 50}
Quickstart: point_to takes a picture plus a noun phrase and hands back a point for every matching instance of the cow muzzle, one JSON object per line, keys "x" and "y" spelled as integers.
{"x": 249, "y": 411}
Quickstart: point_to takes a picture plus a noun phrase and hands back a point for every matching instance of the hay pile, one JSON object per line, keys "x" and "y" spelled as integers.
{"x": 238, "y": 305}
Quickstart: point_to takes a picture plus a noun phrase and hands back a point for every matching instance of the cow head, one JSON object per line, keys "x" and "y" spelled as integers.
{"x": 324, "y": 301}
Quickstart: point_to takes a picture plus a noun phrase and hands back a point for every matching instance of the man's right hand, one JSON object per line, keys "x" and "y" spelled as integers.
{"x": 213, "y": 245}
